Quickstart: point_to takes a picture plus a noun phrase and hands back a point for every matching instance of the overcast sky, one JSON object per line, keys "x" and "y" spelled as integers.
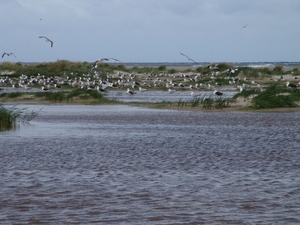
{"x": 151, "y": 30}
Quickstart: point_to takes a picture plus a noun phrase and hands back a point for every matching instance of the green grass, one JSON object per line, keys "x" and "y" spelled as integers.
{"x": 276, "y": 96}
{"x": 206, "y": 103}
{"x": 11, "y": 95}
{"x": 9, "y": 117}
{"x": 245, "y": 93}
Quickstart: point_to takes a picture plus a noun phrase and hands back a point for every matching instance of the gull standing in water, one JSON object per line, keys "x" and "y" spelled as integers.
{"x": 195, "y": 95}
{"x": 8, "y": 54}
{"x": 47, "y": 39}
{"x": 130, "y": 92}
{"x": 218, "y": 93}
{"x": 190, "y": 59}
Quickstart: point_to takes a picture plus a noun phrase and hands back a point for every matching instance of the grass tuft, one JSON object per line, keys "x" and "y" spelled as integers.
{"x": 10, "y": 116}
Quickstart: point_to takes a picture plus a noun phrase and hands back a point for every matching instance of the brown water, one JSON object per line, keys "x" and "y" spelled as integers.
{"x": 127, "y": 165}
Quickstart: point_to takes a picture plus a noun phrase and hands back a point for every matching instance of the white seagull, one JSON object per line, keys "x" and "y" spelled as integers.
{"x": 195, "y": 95}
{"x": 8, "y": 54}
{"x": 142, "y": 89}
{"x": 47, "y": 39}
{"x": 171, "y": 91}
{"x": 190, "y": 59}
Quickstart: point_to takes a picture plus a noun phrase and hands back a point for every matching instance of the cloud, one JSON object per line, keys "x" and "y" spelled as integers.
{"x": 156, "y": 30}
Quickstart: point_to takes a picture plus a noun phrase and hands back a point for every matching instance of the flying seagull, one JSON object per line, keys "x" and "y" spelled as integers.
{"x": 95, "y": 65}
{"x": 8, "y": 54}
{"x": 107, "y": 59}
{"x": 47, "y": 39}
{"x": 187, "y": 57}
{"x": 244, "y": 27}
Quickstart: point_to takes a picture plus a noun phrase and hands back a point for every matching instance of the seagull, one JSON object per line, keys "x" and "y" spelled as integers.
{"x": 95, "y": 65}
{"x": 8, "y": 54}
{"x": 195, "y": 95}
{"x": 171, "y": 91}
{"x": 244, "y": 27}
{"x": 44, "y": 88}
{"x": 107, "y": 59}
{"x": 101, "y": 89}
{"x": 142, "y": 89}
{"x": 130, "y": 92}
{"x": 289, "y": 85}
{"x": 187, "y": 57}
{"x": 218, "y": 93}
{"x": 47, "y": 39}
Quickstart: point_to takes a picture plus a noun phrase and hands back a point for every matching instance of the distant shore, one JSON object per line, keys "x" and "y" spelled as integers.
{"x": 65, "y": 82}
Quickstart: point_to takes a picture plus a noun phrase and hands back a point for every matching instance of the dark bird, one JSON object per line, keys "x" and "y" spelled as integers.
{"x": 95, "y": 64}
{"x": 190, "y": 59}
{"x": 47, "y": 39}
{"x": 130, "y": 92}
{"x": 218, "y": 93}
{"x": 44, "y": 88}
{"x": 101, "y": 89}
{"x": 289, "y": 85}
{"x": 107, "y": 59}
{"x": 244, "y": 27}
{"x": 8, "y": 54}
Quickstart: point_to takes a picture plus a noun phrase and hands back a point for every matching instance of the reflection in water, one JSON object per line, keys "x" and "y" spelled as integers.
{"x": 128, "y": 165}
{"x": 161, "y": 96}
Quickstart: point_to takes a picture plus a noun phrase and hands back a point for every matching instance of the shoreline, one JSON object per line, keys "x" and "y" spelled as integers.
{"x": 69, "y": 83}
{"x": 235, "y": 107}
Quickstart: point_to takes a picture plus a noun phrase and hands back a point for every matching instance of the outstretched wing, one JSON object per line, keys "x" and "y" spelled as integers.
{"x": 187, "y": 57}
{"x": 115, "y": 59}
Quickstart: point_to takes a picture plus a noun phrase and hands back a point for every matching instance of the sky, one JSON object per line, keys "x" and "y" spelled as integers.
{"x": 151, "y": 30}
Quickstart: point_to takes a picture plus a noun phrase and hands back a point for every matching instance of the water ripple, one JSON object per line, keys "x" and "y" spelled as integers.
{"x": 127, "y": 165}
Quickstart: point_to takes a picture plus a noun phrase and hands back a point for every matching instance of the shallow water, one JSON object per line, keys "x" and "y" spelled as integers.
{"x": 147, "y": 96}
{"x": 161, "y": 96}
{"x": 130, "y": 165}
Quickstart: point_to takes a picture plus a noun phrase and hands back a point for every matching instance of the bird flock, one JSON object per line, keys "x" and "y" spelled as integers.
{"x": 132, "y": 83}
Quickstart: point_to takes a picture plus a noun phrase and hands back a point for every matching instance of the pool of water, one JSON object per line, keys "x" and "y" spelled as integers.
{"x": 76, "y": 164}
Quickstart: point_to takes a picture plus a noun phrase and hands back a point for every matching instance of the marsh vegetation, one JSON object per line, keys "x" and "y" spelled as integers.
{"x": 10, "y": 116}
